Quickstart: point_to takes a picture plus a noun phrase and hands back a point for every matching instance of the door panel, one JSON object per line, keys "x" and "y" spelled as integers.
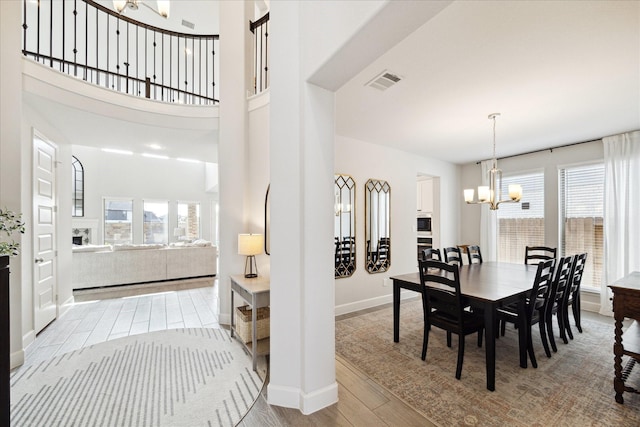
{"x": 44, "y": 271}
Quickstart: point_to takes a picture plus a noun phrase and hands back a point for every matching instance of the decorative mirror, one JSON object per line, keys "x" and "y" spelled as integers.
{"x": 377, "y": 199}
{"x": 267, "y": 223}
{"x": 345, "y": 225}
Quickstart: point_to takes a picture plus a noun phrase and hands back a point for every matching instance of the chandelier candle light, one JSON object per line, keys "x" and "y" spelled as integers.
{"x": 250, "y": 245}
{"x": 492, "y": 194}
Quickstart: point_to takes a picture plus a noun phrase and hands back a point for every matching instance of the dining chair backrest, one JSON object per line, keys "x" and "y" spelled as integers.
{"x": 453, "y": 255}
{"x": 431, "y": 253}
{"x": 535, "y": 254}
{"x": 541, "y": 287}
{"x": 447, "y": 300}
{"x": 474, "y": 255}
{"x": 561, "y": 280}
{"x": 578, "y": 271}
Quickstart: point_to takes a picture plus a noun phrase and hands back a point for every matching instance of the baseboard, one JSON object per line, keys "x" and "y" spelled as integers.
{"x": 224, "y": 319}
{"x": 371, "y": 302}
{"x": 16, "y": 359}
{"x": 319, "y": 399}
{"x": 287, "y": 397}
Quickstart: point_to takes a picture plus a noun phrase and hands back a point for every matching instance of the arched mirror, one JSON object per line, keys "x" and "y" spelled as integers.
{"x": 377, "y": 200}
{"x": 345, "y": 225}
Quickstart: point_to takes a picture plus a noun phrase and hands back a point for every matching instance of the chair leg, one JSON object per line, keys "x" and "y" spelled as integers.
{"x": 503, "y": 327}
{"x": 460, "y": 355}
{"x": 448, "y": 339}
{"x": 543, "y": 337}
{"x": 532, "y": 354}
{"x": 480, "y": 332}
{"x": 425, "y": 341}
{"x": 549, "y": 323}
{"x": 576, "y": 310}
{"x": 566, "y": 322}
{"x": 561, "y": 323}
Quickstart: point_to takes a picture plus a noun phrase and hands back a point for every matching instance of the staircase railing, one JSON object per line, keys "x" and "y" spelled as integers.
{"x": 94, "y": 43}
{"x": 260, "y": 30}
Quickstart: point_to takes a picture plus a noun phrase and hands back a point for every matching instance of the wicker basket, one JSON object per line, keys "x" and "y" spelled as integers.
{"x": 243, "y": 323}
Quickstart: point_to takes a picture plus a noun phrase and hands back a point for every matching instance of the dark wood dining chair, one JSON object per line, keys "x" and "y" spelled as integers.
{"x": 431, "y": 253}
{"x": 572, "y": 297}
{"x": 443, "y": 307}
{"x": 453, "y": 255}
{"x": 534, "y": 308}
{"x": 535, "y": 254}
{"x": 474, "y": 255}
{"x": 556, "y": 301}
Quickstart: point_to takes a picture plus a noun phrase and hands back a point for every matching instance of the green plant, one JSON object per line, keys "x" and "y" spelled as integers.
{"x": 10, "y": 222}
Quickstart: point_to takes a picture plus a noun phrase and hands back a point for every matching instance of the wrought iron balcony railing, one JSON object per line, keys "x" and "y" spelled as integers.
{"x": 89, "y": 41}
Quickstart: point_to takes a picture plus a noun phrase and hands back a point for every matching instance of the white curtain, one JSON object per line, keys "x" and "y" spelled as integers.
{"x": 488, "y": 222}
{"x": 621, "y": 211}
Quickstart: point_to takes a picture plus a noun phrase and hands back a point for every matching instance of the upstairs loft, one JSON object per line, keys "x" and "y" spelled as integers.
{"x": 98, "y": 45}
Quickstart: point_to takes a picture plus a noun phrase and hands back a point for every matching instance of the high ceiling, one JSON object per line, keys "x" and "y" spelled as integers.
{"x": 559, "y": 72}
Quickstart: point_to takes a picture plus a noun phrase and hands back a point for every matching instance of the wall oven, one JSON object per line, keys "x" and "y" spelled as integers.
{"x": 424, "y": 224}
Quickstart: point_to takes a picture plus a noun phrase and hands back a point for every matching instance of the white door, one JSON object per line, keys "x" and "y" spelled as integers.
{"x": 44, "y": 219}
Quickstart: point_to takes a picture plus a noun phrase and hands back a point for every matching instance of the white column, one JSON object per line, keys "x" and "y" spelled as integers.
{"x": 302, "y": 282}
{"x": 10, "y": 153}
{"x": 232, "y": 148}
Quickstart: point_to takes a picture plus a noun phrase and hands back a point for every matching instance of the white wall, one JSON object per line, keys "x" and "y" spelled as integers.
{"x": 142, "y": 178}
{"x": 363, "y": 160}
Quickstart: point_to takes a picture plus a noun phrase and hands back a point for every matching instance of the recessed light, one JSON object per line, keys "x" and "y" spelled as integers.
{"x": 188, "y": 160}
{"x": 113, "y": 150}
{"x": 155, "y": 156}
{"x": 155, "y": 146}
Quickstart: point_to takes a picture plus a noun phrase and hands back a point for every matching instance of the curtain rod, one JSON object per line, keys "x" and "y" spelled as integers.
{"x": 544, "y": 149}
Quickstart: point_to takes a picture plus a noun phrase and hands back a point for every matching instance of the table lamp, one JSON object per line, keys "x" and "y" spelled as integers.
{"x": 250, "y": 245}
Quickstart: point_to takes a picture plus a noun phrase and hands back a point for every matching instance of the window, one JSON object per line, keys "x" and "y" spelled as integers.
{"x": 118, "y": 221}
{"x": 189, "y": 219}
{"x": 77, "y": 182}
{"x": 521, "y": 224}
{"x": 155, "y": 222}
{"x": 581, "y": 215}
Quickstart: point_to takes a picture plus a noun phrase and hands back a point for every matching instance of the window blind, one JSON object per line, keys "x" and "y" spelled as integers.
{"x": 521, "y": 224}
{"x": 581, "y": 213}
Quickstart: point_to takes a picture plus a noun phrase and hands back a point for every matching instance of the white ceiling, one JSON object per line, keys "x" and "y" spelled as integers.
{"x": 559, "y": 72}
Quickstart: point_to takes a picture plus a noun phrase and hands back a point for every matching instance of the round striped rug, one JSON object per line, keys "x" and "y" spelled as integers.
{"x": 182, "y": 377}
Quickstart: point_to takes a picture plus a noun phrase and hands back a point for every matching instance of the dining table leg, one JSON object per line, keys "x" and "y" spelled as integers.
{"x": 490, "y": 346}
{"x": 396, "y": 312}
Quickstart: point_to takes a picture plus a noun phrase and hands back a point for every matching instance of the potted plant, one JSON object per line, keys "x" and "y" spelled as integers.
{"x": 10, "y": 222}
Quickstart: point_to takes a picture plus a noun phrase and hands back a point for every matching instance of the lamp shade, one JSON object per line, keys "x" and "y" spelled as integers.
{"x": 250, "y": 244}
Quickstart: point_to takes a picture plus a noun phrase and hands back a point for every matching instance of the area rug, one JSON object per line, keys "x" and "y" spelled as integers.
{"x": 182, "y": 377}
{"x": 572, "y": 388}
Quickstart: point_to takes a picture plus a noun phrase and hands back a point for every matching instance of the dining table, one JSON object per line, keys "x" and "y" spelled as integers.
{"x": 486, "y": 287}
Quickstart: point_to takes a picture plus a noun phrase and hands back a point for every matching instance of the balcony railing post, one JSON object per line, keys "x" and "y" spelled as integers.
{"x": 147, "y": 87}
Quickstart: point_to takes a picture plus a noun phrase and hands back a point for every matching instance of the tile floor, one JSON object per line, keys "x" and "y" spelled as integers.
{"x": 91, "y": 322}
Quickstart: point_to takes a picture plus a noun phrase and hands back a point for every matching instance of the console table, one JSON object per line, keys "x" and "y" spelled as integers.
{"x": 626, "y": 304}
{"x": 255, "y": 291}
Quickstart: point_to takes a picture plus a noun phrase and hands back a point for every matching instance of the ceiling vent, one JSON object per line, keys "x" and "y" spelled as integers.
{"x": 384, "y": 80}
{"x": 188, "y": 24}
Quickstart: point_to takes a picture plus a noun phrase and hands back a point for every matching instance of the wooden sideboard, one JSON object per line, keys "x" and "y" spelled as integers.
{"x": 626, "y": 304}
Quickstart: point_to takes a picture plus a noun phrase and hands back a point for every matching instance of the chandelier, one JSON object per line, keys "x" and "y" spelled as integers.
{"x": 491, "y": 194}
{"x": 121, "y": 5}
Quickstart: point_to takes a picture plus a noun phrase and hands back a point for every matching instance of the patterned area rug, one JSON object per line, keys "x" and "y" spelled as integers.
{"x": 572, "y": 388}
{"x": 181, "y": 377}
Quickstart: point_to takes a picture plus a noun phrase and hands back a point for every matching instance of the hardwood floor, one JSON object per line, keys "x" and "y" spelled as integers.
{"x": 362, "y": 402}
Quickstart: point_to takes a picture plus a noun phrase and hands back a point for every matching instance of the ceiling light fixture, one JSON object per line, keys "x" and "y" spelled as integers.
{"x": 492, "y": 194}
{"x": 121, "y": 5}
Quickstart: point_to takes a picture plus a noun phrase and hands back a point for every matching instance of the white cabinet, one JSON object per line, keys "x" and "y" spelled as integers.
{"x": 425, "y": 195}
